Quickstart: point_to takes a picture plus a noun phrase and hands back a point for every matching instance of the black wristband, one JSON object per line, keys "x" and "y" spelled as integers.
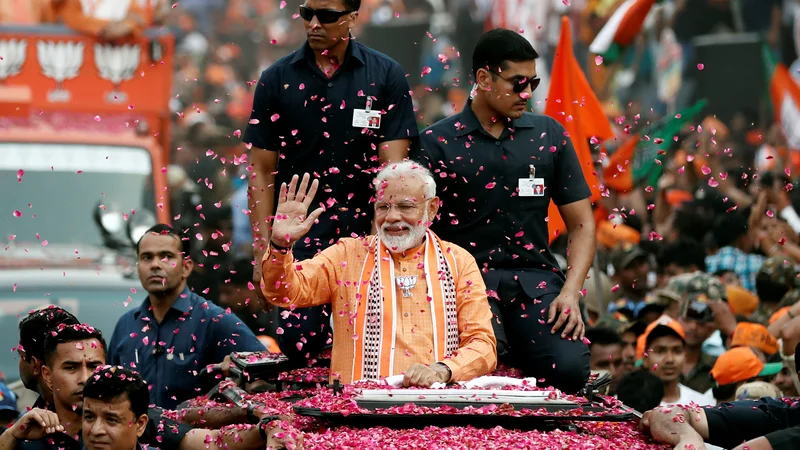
{"x": 262, "y": 425}
{"x": 278, "y": 247}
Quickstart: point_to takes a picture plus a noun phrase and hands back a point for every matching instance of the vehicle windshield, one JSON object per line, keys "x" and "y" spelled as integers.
{"x": 59, "y": 186}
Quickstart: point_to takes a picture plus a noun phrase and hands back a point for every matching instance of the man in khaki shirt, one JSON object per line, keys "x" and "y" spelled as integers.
{"x": 404, "y": 301}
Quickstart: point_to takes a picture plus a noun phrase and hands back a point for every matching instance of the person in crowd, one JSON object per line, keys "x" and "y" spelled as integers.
{"x": 109, "y": 20}
{"x": 704, "y": 298}
{"x": 500, "y": 214}
{"x": 596, "y": 294}
{"x": 737, "y": 237}
{"x": 320, "y": 123}
{"x": 757, "y": 337}
{"x": 73, "y": 354}
{"x": 756, "y": 390}
{"x": 175, "y": 332}
{"x": 738, "y": 366}
{"x": 605, "y": 346}
{"x": 422, "y": 310}
{"x": 631, "y": 268}
{"x": 765, "y": 424}
{"x": 774, "y": 279}
{"x": 685, "y": 255}
{"x": 8, "y": 407}
{"x": 629, "y": 333}
{"x": 662, "y": 349}
{"x": 641, "y": 390}
{"x": 33, "y": 330}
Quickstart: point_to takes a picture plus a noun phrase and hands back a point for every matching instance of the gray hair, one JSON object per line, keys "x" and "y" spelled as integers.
{"x": 407, "y": 169}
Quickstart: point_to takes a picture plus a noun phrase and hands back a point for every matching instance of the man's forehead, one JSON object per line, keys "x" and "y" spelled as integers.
{"x": 89, "y": 349}
{"x": 524, "y": 68}
{"x": 116, "y": 404}
{"x": 156, "y": 242}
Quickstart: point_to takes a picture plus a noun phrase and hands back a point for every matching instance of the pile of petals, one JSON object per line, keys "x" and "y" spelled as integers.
{"x": 260, "y": 357}
{"x": 306, "y": 375}
{"x": 345, "y": 404}
{"x": 616, "y": 436}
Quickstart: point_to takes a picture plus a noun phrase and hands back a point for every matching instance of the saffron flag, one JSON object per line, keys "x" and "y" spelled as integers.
{"x": 785, "y": 98}
{"x": 572, "y": 103}
{"x": 621, "y": 29}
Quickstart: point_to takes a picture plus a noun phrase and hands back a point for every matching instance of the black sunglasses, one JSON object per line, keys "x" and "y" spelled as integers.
{"x": 323, "y": 15}
{"x": 521, "y": 83}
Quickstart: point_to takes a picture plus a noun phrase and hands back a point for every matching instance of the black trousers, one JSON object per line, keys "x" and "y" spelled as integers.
{"x": 309, "y": 327}
{"x": 526, "y": 343}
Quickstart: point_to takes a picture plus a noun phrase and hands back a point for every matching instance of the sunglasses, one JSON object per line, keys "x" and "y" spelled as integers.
{"x": 521, "y": 83}
{"x": 325, "y": 16}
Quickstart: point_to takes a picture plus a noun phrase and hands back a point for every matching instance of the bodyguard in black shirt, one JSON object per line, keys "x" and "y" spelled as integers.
{"x": 497, "y": 168}
{"x": 335, "y": 109}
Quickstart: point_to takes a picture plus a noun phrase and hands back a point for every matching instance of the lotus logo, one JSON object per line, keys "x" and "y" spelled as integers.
{"x": 116, "y": 63}
{"x": 12, "y": 57}
{"x": 60, "y": 61}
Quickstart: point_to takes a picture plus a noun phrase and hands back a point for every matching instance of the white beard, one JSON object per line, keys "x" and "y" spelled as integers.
{"x": 414, "y": 237}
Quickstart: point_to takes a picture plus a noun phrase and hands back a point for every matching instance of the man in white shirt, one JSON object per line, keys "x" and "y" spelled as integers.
{"x": 662, "y": 348}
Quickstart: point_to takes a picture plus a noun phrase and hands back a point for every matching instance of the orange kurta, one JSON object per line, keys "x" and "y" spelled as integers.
{"x": 72, "y": 14}
{"x": 26, "y": 12}
{"x": 333, "y": 276}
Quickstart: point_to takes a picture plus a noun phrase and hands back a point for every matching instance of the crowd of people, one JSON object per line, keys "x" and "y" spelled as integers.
{"x": 691, "y": 297}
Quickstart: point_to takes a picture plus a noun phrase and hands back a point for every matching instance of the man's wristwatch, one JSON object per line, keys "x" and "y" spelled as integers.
{"x": 262, "y": 426}
{"x": 447, "y": 368}
{"x": 278, "y": 247}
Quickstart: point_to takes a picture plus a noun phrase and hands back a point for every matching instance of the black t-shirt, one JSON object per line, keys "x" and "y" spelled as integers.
{"x": 483, "y": 208}
{"x": 309, "y": 119}
{"x": 731, "y": 424}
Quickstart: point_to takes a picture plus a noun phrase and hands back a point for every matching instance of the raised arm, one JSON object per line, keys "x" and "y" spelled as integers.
{"x": 301, "y": 284}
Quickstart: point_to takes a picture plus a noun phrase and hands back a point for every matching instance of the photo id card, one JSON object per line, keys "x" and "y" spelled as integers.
{"x": 531, "y": 187}
{"x": 363, "y": 118}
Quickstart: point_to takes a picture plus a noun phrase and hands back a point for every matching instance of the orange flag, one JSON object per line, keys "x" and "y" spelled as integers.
{"x": 572, "y": 102}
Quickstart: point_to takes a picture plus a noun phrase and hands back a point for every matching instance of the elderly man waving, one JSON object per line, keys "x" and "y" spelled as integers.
{"x": 404, "y": 301}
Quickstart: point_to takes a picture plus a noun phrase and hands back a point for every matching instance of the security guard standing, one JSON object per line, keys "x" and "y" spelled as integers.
{"x": 497, "y": 168}
{"x": 336, "y": 109}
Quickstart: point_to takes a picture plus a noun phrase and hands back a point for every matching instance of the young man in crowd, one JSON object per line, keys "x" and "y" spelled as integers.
{"x": 662, "y": 348}
{"x": 641, "y": 390}
{"x": 704, "y": 305}
{"x": 500, "y": 215}
{"x": 175, "y": 333}
{"x": 72, "y": 354}
{"x": 738, "y": 366}
{"x": 631, "y": 268}
{"x": 605, "y": 346}
{"x": 765, "y": 424}
{"x": 33, "y": 330}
